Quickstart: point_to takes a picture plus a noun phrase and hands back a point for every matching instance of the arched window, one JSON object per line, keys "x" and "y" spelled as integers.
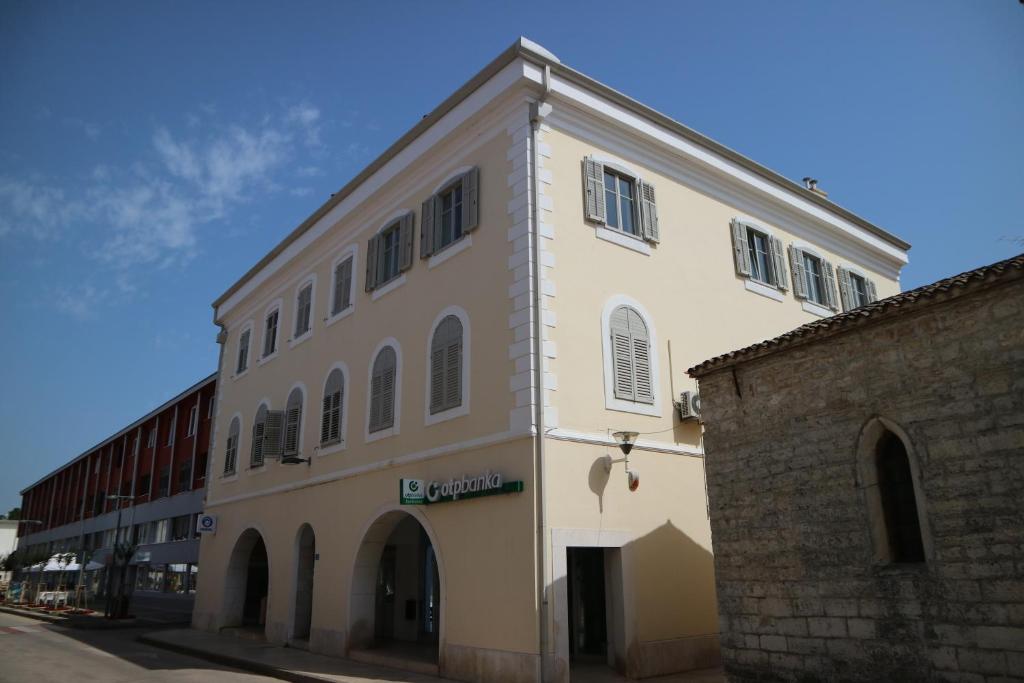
{"x": 899, "y": 503}
{"x": 259, "y": 427}
{"x": 231, "y": 450}
{"x": 334, "y": 396}
{"x": 446, "y": 365}
{"x": 292, "y": 422}
{"x": 382, "y": 390}
{"x": 631, "y": 356}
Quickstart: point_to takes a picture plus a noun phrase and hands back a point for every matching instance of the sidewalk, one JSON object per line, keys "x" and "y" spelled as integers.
{"x": 296, "y": 665}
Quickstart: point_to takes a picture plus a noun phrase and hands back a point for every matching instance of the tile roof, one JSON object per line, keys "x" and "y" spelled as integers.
{"x": 884, "y": 308}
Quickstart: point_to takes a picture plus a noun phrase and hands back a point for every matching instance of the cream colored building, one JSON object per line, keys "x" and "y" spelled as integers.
{"x": 580, "y": 252}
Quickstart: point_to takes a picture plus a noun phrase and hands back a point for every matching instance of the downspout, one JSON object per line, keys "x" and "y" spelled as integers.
{"x": 538, "y": 369}
{"x": 222, "y": 338}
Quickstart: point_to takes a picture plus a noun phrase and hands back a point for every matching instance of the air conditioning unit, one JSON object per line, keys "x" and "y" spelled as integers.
{"x": 689, "y": 405}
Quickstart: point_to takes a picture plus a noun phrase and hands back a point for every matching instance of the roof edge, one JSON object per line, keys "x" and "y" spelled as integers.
{"x": 121, "y": 432}
{"x": 912, "y": 300}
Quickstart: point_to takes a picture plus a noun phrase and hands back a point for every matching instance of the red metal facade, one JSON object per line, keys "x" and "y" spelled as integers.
{"x": 126, "y": 464}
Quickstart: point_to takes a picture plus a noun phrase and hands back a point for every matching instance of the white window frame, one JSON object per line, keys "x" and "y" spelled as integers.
{"x": 346, "y": 397}
{"x": 249, "y": 326}
{"x": 853, "y": 270}
{"x": 750, "y": 283}
{"x": 193, "y": 420}
{"x": 821, "y": 310}
{"x": 351, "y": 251}
{"x": 652, "y": 409}
{"x": 463, "y": 409}
{"x": 619, "y": 236}
{"x": 394, "y": 429}
{"x": 310, "y": 281}
{"x": 276, "y": 303}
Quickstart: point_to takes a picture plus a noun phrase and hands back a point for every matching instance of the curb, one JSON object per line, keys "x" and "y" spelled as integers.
{"x": 82, "y": 622}
{"x": 233, "y": 662}
{"x": 29, "y": 614}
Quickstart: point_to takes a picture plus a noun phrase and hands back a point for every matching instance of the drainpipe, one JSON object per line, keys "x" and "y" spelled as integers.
{"x": 538, "y": 351}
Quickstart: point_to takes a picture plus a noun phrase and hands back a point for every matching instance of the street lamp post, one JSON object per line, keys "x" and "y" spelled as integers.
{"x": 107, "y": 612}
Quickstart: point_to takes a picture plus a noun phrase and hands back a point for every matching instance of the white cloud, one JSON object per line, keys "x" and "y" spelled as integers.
{"x": 307, "y": 117}
{"x": 80, "y": 302}
{"x": 35, "y": 209}
{"x": 300, "y": 191}
{"x": 308, "y": 171}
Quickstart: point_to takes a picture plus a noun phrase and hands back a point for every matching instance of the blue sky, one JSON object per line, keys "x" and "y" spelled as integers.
{"x": 150, "y": 153}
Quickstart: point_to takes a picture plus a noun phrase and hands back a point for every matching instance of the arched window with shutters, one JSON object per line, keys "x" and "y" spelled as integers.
{"x": 630, "y": 357}
{"x": 332, "y": 408}
{"x": 293, "y": 422}
{"x": 231, "y": 445}
{"x": 259, "y": 426}
{"x": 384, "y": 396}
{"x": 446, "y": 366}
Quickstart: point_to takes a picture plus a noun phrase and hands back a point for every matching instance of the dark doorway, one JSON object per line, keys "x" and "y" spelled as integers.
{"x": 588, "y": 619}
{"x": 254, "y": 609}
{"x": 408, "y": 595}
{"x": 306, "y": 543}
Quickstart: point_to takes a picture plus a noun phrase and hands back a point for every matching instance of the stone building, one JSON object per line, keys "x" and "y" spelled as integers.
{"x": 866, "y": 484}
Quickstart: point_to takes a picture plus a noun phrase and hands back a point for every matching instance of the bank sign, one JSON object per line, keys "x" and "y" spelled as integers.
{"x": 420, "y": 492}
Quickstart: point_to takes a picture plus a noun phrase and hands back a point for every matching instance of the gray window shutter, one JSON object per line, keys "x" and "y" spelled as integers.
{"x": 622, "y": 354}
{"x": 470, "y": 199}
{"x": 739, "y": 249}
{"x": 648, "y": 212}
{"x": 427, "y": 228}
{"x": 437, "y": 375}
{"x": 371, "y": 262}
{"x": 872, "y": 292}
{"x": 446, "y": 365}
{"x": 325, "y": 419}
{"x": 796, "y": 262}
{"x": 256, "y": 457}
{"x": 330, "y": 418}
{"x": 845, "y": 295}
{"x": 273, "y": 432}
{"x": 382, "y": 390}
{"x": 406, "y": 231}
{"x": 593, "y": 189}
{"x": 243, "y": 352}
{"x": 829, "y": 279}
{"x": 292, "y": 423}
{"x": 779, "y": 263}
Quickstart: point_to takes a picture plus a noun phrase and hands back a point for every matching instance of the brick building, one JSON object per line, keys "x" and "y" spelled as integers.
{"x": 865, "y": 475}
{"x": 158, "y": 465}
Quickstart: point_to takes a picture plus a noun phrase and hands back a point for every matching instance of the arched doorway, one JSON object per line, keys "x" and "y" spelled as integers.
{"x": 396, "y": 604}
{"x": 305, "y": 551}
{"x": 246, "y": 586}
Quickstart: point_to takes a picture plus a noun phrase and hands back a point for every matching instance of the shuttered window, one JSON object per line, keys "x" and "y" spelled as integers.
{"x": 303, "y": 307}
{"x": 259, "y": 427}
{"x": 758, "y": 255}
{"x": 231, "y": 449}
{"x": 813, "y": 278}
{"x": 855, "y": 290}
{"x": 631, "y": 356}
{"x": 446, "y": 366}
{"x": 389, "y": 252}
{"x": 620, "y": 201}
{"x": 450, "y": 214}
{"x": 342, "y": 286}
{"x": 243, "y": 352}
{"x": 382, "y": 390}
{"x": 270, "y": 333}
{"x": 292, "y": 422}
{"x": 330, "y": 419}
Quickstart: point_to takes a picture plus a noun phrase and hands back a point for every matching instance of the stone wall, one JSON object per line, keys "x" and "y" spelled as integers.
{"x": 801, "y": 593}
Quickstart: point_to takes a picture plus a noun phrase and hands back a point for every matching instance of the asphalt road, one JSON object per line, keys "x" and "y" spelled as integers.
{"x": 36, "y": 652}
